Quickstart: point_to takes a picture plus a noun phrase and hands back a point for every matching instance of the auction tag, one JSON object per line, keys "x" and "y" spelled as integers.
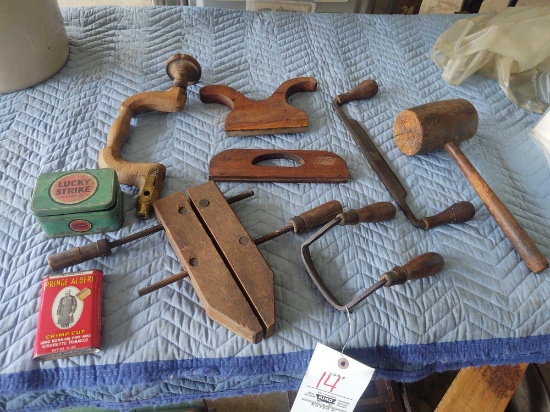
{"x": 332, "y": 382}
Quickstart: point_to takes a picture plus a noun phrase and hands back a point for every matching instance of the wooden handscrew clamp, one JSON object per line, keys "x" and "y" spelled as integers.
{"x": 217, "y": 254}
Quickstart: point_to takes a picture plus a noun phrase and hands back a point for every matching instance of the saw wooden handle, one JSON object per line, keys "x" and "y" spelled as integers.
{"x": 272, "y": 115}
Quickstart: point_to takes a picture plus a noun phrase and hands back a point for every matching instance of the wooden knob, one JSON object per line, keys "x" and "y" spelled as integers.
{"x": 364, "y": 90}
{"x": 183, "y": 69}
{"x": 426, "y": 128}
{"x": 460, "y": 212}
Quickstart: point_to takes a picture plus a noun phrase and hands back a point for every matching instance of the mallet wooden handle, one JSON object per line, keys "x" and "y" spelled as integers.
{"x": 517, "y": 236}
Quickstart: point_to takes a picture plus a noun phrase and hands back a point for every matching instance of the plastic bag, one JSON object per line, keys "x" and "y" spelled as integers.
{"x": 512, "y": 47}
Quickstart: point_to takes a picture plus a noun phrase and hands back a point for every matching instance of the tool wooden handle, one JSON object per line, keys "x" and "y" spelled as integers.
{"x": 364, "y": 90}
{"x": 422, "y": 266}
{"x": 74, "y": 256}
{"x": 316, "y": 217}
{"x": 517, "y": 236}
{"x": 377, "y": 212}
{"x": 184, "y": 70}
{"x": 460, "y": 212}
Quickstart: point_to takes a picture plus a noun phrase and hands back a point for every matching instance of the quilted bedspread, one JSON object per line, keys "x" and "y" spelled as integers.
{"x": 484, "y": 307}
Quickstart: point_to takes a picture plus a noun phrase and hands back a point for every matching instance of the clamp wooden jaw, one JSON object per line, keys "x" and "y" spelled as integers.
{"x": 184, "y": 70}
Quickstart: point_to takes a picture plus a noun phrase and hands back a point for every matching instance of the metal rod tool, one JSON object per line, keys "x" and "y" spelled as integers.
{"x": 421, "y": 266}
{"x": 458, "y": 213}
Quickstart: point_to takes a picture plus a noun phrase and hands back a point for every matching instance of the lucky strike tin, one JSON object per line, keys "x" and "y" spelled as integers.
{"x": 69, "y": 318}
{"x": 78, "y": 202}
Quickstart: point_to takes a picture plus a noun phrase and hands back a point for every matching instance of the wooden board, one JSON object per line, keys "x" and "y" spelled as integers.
{"x": 483, "y": 389}
{"x": 218, "y": 292}
{"x": 312, "y": 166}
{"x": 251, "y": 271}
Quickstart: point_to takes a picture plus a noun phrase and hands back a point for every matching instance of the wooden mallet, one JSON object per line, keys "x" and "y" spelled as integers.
{"x": 443, "y": 125}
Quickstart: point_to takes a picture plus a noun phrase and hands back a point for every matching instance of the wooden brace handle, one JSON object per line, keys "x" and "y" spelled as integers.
{"x": 148, "y": 177}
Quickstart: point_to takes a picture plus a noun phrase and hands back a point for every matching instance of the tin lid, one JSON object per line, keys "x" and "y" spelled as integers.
{"x": 77, "y": 191}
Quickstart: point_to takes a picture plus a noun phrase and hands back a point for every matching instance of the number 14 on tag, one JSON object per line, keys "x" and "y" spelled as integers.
{"x": 332, "y": 382}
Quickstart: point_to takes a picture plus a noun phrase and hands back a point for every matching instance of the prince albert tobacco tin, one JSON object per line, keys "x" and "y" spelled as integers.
{"x": 69, "y": 318}
{"x": 78, "y": 202}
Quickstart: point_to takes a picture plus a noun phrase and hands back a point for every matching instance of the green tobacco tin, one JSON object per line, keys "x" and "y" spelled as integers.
{"x": 78, "y": 202}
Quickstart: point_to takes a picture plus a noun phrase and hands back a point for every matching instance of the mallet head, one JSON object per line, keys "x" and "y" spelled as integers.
{"x": 426, "y": 128}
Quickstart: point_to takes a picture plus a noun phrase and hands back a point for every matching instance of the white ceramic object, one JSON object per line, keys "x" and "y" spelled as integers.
{"x": 33, "y": 43}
